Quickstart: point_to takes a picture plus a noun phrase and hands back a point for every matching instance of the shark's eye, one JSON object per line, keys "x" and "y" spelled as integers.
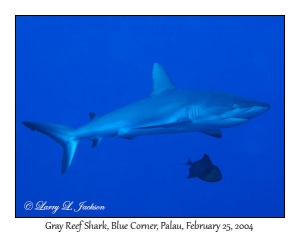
{"x": 235, "y": 106}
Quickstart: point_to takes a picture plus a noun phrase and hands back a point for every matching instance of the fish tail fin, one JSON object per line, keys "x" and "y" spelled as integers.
{"x": 188, "y": 162}
{"x": 62, "y": 134}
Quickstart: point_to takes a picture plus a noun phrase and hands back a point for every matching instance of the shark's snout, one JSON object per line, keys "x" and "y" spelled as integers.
{"x": 266, "y": 106}
{"x": 241, "y": 114}
{"x": 258, "y": 109}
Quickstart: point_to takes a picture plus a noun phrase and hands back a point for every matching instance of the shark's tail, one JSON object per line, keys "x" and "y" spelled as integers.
{"x": 62, "y": 134}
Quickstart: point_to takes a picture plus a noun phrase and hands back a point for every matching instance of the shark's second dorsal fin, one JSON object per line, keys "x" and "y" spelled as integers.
{"x": 161, "y": 80}
{"x": 92, "y": 115}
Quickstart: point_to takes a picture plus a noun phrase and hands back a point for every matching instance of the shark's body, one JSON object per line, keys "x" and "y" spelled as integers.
{"x": 167, "y": 110}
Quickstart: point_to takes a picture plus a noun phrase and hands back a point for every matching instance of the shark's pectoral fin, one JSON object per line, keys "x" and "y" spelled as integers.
{"x": 96, "y": 142}
{"x": 161, "y": 80}
{"x": 213, "y": 132}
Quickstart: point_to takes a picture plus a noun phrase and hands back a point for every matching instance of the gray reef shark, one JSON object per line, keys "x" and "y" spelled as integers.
{"x": 167, "y": 110}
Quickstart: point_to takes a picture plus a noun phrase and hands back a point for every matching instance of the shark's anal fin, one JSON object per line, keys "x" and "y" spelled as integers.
{"x": 217, "y": 133}
{"x": 161, "y": 80}
{"x": 96, "y": 142}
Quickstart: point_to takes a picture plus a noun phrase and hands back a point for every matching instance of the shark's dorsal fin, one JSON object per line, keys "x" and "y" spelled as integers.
{"x": 161, "y": 80}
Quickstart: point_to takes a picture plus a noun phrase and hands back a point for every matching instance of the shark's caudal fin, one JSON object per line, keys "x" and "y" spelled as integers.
{"x": 62, "y": 134}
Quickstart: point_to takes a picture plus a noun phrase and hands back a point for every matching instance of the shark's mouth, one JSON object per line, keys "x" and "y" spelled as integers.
{"x": 242, "y": 118}
{"x": 237, "y": 118}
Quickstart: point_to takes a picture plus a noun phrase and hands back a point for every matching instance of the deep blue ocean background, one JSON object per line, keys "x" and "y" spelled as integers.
{"x": 67, "y": 67}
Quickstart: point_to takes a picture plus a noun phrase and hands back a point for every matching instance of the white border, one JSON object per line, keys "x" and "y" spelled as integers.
{"x": 199, "y": 7}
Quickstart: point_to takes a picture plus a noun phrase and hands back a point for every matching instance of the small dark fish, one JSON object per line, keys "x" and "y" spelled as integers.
{"x": 204, "y": 169}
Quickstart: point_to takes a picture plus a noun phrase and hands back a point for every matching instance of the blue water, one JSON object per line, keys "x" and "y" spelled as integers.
{"x": 68, "y": 67}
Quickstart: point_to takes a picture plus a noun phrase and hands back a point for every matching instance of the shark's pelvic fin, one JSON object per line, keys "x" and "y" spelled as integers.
{"x": 161, "y": 80}
{"x": 124, "y": 133}
{"x": 217, "y": 133}
{"x": 62, "y": 134}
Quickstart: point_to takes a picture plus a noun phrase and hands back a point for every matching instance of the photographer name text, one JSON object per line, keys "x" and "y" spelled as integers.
{"x": 66, "y": 206}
